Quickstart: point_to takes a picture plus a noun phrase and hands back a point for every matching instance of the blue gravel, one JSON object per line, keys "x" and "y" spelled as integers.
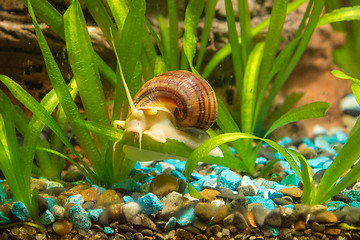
{"x": 47, "y": 218}
{"x": 20, "y": 211}
{"x": 178, "y": 174}
{"x": 290, "y": 180}
{"x": 186, "y": 217}
{"x": 108, "y": 230}
{"x": 51, "y": 203}
{"x": 150, "y": 204}
{"x": 80, "y": 218}
{"x": 76, "y": 199}
{"x": 3, "y": 218}
{"x": 170, "y": 225}
{"x": 268, "y": 204}
{"x": 128, "y": 199}
{"x": 229, "y": 179}
{"x": 94, "y": 214}
{"x": 334, "y": 205}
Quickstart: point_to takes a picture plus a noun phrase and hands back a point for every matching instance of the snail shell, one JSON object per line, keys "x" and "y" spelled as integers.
{"x": 186, "y": 96}
{"x": 176, "y": 105}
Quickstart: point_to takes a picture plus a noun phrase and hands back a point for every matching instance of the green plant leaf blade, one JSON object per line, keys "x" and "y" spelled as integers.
{"x": 341, "y": 14}
{"x": 311, "y": 110}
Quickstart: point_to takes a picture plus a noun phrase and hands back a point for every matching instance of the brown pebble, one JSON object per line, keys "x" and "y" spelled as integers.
{"x": 221, "y": 213}
{"x": 250, "y": 218}
{"x": 163, "y": 184}
{"x": 108, "y": 197}
{"x": 116, "y": 212}
{"x": 90, "y": 194}
{"x": 183, "y": 234}
{"x": 332, "y": 231}
{"x": 62, "y": 227}
{"x": 209, "y": 194}
{"x": 326, "y": 217}
{"x": 293, "y": 192}
{"x": 204, "y": 211}
{"x": 300, "y": 225}
{"x": 200, "y": 237}
{"x": 306, "y": 151}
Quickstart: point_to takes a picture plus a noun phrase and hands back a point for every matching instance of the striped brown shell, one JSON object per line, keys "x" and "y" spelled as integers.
{"x": 187, "y": 96}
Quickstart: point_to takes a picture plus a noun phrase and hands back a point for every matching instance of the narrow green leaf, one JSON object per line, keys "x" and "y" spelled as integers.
{"x": 245, "y": 30}
{"x": 192, "y": 17}
{"x": 311, "y": 110}
{"x": 342, "y": 75}
{"x": 112, "y": 133}
{"x": 307, "y": 180}
{"x": 341, "y": 14}
{"x": 173, "y": 34}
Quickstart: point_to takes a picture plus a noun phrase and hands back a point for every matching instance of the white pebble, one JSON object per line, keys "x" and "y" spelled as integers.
{"x": 131, "y": 209}
{"x": 58, "y": 212}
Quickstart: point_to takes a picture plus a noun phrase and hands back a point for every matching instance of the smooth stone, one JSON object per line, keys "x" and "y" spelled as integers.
{"x": 73, "y": 175}
{"x": 239, "y": 221}
{"x": 42, "y": 204}
{"x": 90, "y": 194}
{"x": 192, "y": 229}
{"x": 239, "y": 204}
{"x": 332, "y": 231}
{"x": 116, "y": 212}
{"x": 282, "y": 201}
{"x": 306, "y": 151}
{"x": 20, "y": 211}
{"x": 183, "y": 234}
{"x": 259, "y": 213}
{"x": 229, "y": 179}
{"x": 55, "y": 191}
{"x": 147, "y": 232}
{"x": 80, "y": 218}
{"x": 221, "y": 213}
{"x": 204, "y": 211}
{"x": 62, "y": 227}
{"x": 58, "y": 211}
{"x": 144, "y": 221}
{"x": 315, "y": 209}
{"x": 213, "y": 230}
{"x": 186, "y": 217}
{"x": 341, "y": 197}
{"x": 293, "y": 192}
{"x": 352, "y": 215}
{"x": 163, "y": 184}
{"x": 173, "y": 203}
{"x": 317, "y": 227}
{"x": 108, "y": 197}
{"x": 273, "y": 218}
{"x": 326, "y": 217}
{"x": 209, "y": 194}
{"x": 131, "y": 209}
{"x": 150, "y": 204}
{"x": 171, "y": 224}
{"x": 300, "y": 225}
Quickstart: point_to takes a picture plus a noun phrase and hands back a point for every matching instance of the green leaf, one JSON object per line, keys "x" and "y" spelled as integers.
{"x": 311, "y": 110}
{"x": 342, "y": 75}
{"x": 341, "y": 14}
{"x": 112, "y": 133}
{"x": 203, "y": 150}
{"x": 173, "y": 53}
{"x": 192, "y": 17}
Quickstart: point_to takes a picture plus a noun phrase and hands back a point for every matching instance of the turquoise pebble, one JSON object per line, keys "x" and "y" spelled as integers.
{"x": 94, "y": 214}
{"x": 76, "y": 199}
{"x": 3, "y": 218}
{"x": 290, "y": 180}
{"x": 47, "y": 218}
{"x": 127, "y": 199}
{"x": 170, "y": 225}
{"x": 20, "y": 211}
{"x": 80, "y": 218}
{"x": 179, "y": 165}
{"x": 187, "y": 217}
{"x": 178, "y": 174}
{"x": 268, "y": 204}
{"x": 354, "y": 204}
{"x": 108, "y": 230}
{"x": 150, "y": 204}
{"x": 334, "y": 205}
{"x": 229, "y": 179}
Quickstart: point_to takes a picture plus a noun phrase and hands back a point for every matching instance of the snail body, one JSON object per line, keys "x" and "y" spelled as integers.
{"x": 177, "y": 105}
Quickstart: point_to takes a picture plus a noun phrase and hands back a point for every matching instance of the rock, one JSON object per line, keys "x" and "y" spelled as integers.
{"x": 334, "y": 205}
{"x": 116, "y": 212}
{"x": 273, "y": 218}
{"x": 239, "y": 204}
{"x": 55, "y": 191}
{"x": 213, "y": 230}
{"x": 246, "y": 190}
{"x": 239, "y": 221}
{"x": 326, "y": 217}
{"x": 192, "y": 230}
{"x": 209, "y": 194}
{"x": 172, "y": 204}
{"x": 47, "y": 218}
{"x": 163, "y": 184}
{"x": 204, "y": 211}
{"x": 229, "y": 179}
{"x": 332, "y": 231}
{"x": 108, "y": 197}
{"x": 90, "y": 194}
{"x": 38, "y": 184}
{"x": 186, "y": 217}
{"x": 80, "y": 218}
{"x": 94, "y": 214}
{"x": 42, "y": 204}
{"x": 58, "y": 211}
{"x": 317, "y": 227}
{"x": 170, "y": 225}
{"x": 352, "y": 215}
{"x": 268, "y": 204}
{"x": 20, "y": 211}
{"x": 108, "y": 230}
{"x": 315, "y": 209}
{"x": 300, "y": 225}
{"x": 294, "y": 192}
{"x": 4, "y": 219}
{"x": 307, "y": 152}
{"x": 131, "y": 209}
{"x": 184, "y": 235}
{"x": 150, "y": 204}
{"x": 144, "y": 221}
{"x": 76, "y": 199}
{"x": 221, "y": 213}
{"x": 290, "y": 180}
{"x": 62, "y": 227}
{"x": 73, "y": 175}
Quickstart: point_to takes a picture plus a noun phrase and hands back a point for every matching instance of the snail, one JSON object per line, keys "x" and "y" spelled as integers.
{"x": 176, "y": 105}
